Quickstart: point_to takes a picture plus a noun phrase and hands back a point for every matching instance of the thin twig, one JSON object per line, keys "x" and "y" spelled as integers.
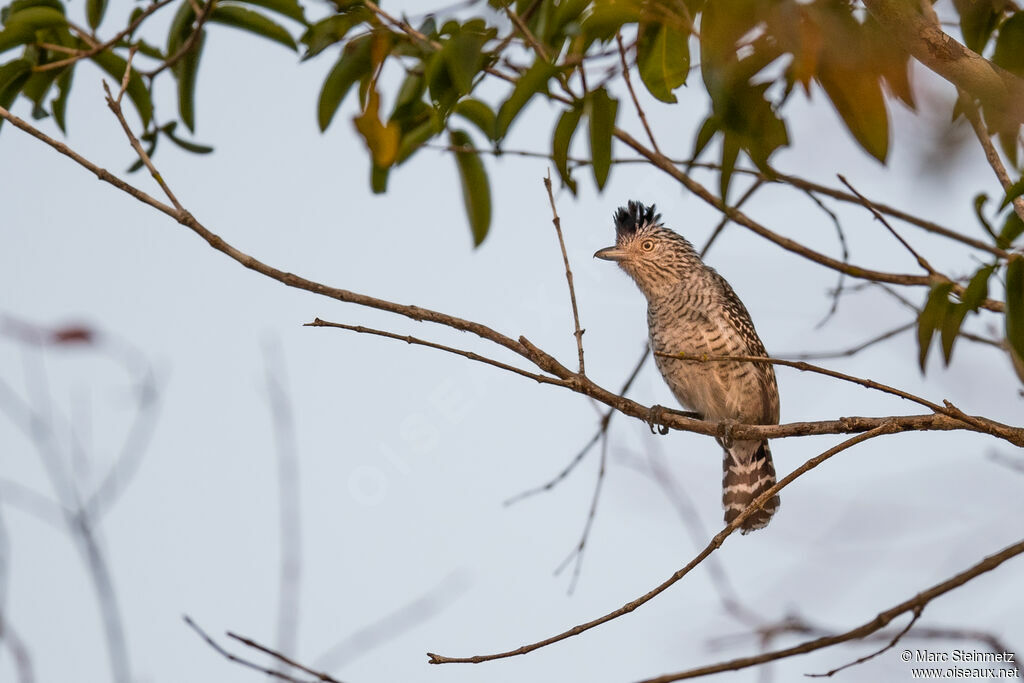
{"x": 115, "y": 106}
{"x": 96, "y": 49}
{"x": 846, "y": 255}
{"x": 189, "y": 43}
{"x": 725, "y": 219}
{"x": 603, "y": 425}
{"x": 577, "y": 552}
{"x": 284, "y": 659}
{"x": 231, "y": 657}
{"x": 921, "y": 261}
{"x": 568, "y": 271}
{"x": 970, "y": 110}
{"x": 892, "y": 643}
{"x": 853, "y": 350}
{"x": 881, "y": 620}
{"x": 713, "y": 545}
{"x": 632, "y": 93}
{"x": 408, "y": 339}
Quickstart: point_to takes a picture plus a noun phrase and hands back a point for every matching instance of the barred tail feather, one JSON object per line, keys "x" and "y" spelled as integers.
{"x": 743, "y": 480}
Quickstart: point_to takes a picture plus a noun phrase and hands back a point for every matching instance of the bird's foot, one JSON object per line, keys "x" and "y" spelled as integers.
{"x": 726, "y": 438}
{"x": 654, "y": 417}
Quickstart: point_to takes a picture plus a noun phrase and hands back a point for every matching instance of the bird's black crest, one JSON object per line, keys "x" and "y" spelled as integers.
{"x": 629, "y": 218}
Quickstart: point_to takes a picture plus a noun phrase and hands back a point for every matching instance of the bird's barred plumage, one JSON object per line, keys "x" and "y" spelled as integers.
{"x": 693, "y": 311}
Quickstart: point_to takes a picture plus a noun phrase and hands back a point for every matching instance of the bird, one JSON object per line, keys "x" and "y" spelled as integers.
{"x": 693, "y": 312}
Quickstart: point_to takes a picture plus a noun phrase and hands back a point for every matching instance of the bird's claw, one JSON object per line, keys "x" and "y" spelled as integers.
{"x": 726, "y": 438}
{"x": 654, "y": 418}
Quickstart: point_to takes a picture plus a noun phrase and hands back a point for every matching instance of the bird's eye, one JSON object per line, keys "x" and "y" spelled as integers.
{"x": 647, "y": 245}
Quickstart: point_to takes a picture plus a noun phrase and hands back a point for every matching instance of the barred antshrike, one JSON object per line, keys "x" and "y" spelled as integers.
{"x": 693, "y": 312}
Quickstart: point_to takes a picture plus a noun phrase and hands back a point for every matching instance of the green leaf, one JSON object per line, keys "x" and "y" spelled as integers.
{"x": 979, "y": 204}
{"x": 21, "y": 26}
{"x": 181, "y": 27}
{"x": 603, "y": 109}
{"x": 857, "y": 96}
{"x": 409, "y": 93}
{"x": 476, "y": 190}
{"x": 286, "y": 8}
{"x": 704, "y": 135}
{"x": 951, "y": 328}
{"x": 730, "y": 152}
{"x": 353, "y": 64}
{"x": 94, "y": 11}
{"x": 187, "y": 72}
{"x": 607, "y": 17}
{"x": 13, "y": 75}
{"x": 463, "y": 57}
{"x": 931, "y": 318}
{"x": 479, "y": 114}
{"x": 414, "y": 138}
{"x": 331, "y": 30}
{"x": 978, "y": 18}
{"x": 977, "y": 289}
{"x": 186, "y": 145}
{"x": 1008, "y": 53}
{"x": 1012, "y": 228}
{"x": 973, "y": 296}
{"x": 1015, "y": 305}
{"x": 253, "y": 22}
{"x": 533, "y": 81}
{"x": 38, "y": 85}
{"x": 1016, "y": 190}
{"x": 663, "y": 59}
{"x": 562, "y": 141}
{"x": 59, "y": 106}
{"x": 137, "y": 90}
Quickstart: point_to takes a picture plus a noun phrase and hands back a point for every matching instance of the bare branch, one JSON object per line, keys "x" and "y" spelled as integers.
{"x": 632, "y": 93}
{"x": 408, "y": 339}
{"x": 190, "y": 43}
{"x": 715, "y": 543}
{"x": 970, "y": 110}
{"x": 577, "y": 552}
{"x": 921, "y": 261}
{"x": 853, "y": 350}
{"x": 892, "y": 643}
{"x": 881, "y": 620}
{"x": 231, "y": 657}
{"x": 568, "y": 271}
{"x": 115, "y": 106}
{"x": 725, "y": 219}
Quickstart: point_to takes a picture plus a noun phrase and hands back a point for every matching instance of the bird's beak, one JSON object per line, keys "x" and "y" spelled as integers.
{"x": 610, "y": 254}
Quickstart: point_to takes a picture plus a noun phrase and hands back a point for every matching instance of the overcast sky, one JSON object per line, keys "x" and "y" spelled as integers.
{"x": 406, "y": 454}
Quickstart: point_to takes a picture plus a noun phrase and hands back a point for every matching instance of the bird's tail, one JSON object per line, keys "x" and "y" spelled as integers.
{"x": 747, "y": 473}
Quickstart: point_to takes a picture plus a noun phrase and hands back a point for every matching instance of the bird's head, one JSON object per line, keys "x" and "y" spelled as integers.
{"x": 654, "y": 256}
